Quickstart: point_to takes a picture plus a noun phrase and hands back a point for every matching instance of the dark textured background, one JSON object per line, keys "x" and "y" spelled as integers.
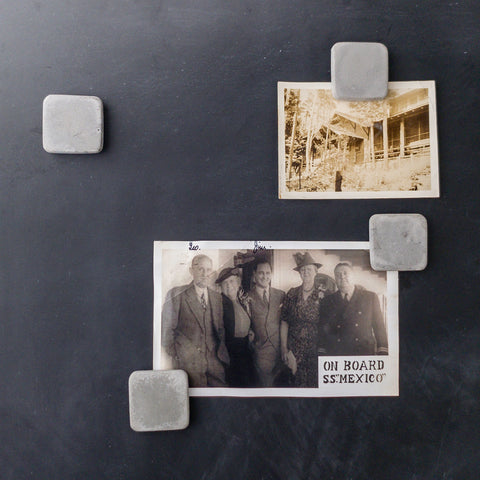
{"x": 190, "y": 112}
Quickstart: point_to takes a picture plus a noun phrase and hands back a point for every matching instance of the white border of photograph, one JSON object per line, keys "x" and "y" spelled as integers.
{"x": 388, "y": 385}
{"x": 434, "y": 190}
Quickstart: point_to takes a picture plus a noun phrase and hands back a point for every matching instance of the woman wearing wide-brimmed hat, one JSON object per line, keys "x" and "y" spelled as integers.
{"x": 299, "y": 329}
{"x": 237, "y": 322}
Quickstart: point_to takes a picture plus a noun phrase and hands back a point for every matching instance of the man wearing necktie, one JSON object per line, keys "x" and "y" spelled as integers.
{"x": 193, "y": 334}
{"x": 351, "y": 318}
{"x": 266, "y": 303}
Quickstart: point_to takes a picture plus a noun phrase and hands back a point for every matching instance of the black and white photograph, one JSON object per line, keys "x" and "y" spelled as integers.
{"x": 275, "y": 318}
{"x": 330, "y": 148}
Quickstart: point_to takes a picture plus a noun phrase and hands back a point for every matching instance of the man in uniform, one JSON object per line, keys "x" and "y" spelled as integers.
{"x": 192, "y": 328}
{"x": 266, "y": 303}
{"x": 352, "y": 319}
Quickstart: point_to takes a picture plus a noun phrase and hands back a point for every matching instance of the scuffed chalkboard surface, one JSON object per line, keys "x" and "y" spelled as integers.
{"x": 191, "y": 153}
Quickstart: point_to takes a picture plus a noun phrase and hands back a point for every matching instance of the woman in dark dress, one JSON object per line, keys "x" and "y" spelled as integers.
{"x": 237, "y": 322}
{"x": 299, "y": 328}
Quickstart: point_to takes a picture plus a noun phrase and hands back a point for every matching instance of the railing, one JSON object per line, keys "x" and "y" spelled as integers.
{"x": 422, "y": 147}
{"x": 413, "y": 144}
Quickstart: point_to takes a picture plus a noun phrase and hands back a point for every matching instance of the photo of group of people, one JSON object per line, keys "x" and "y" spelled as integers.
{"x": 261, "y": 317}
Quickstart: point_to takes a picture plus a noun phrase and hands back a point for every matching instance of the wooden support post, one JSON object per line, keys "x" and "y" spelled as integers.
{"x": 338, "y": 181}
{"x": 402, "y": 137}
{"x": 372, "y": 144}
{"x": 385, "y": 141}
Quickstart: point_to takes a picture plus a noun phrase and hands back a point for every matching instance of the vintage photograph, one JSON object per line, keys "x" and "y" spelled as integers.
{"x": 329, "y": 148}
{"x": 275, "y": 318}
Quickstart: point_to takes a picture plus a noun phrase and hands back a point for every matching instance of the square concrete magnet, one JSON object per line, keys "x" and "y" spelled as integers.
{"x": 72, "y": 124}
{"x": 158, "y": 400}
{"x": 359, "y": 71}
{"x": 398, "y": 242}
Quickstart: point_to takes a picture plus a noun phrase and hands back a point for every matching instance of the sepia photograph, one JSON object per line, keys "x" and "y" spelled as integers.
{"x": 330, "y": 148}
{"x": 276, "y": 318}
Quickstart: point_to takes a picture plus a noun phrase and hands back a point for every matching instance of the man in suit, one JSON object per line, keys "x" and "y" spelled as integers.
{"x": 266, "y": 303}
{"x": 352, "y": 319}
{"x": 192, "y": 328}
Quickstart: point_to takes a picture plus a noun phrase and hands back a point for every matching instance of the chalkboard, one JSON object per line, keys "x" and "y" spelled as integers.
{"x": 190, "y": 153}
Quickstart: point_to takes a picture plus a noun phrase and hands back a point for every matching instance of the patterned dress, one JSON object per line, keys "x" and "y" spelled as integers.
{"x": 302, "y": 317}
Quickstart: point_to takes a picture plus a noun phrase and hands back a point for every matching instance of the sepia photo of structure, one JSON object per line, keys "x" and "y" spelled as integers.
{"x": 376, "y": 146}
